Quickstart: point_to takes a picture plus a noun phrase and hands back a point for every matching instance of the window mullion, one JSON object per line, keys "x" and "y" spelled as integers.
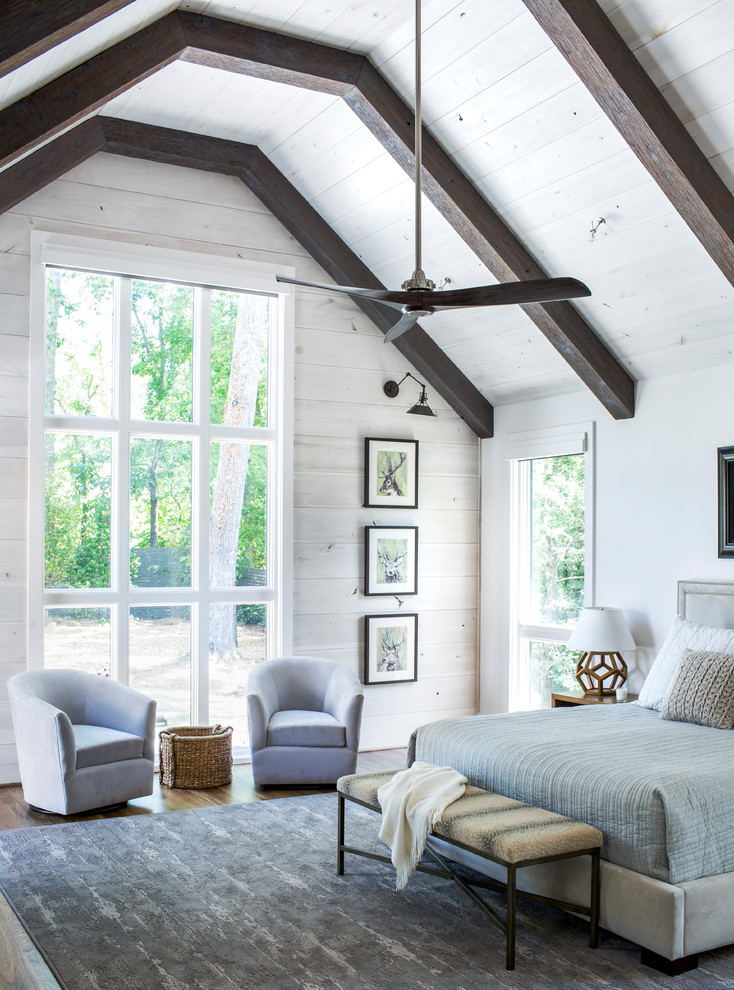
{"x": 121, "y": 487}
{"x": 200, "y": 507}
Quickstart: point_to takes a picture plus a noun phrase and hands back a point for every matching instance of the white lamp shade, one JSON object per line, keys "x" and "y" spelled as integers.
{"x": 601, "y": 630}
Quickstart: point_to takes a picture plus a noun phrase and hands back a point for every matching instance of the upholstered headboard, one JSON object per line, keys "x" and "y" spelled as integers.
{"x": 711, "y": 603}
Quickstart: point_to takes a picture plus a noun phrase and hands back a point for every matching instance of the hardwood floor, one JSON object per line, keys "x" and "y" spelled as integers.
{"x": 21, "y": 966}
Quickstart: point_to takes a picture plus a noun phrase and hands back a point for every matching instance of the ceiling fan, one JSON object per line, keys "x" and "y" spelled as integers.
{"x": 418, "y": 296}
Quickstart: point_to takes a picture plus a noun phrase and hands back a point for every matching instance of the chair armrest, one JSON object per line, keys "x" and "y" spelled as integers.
{"x": 44, "y": 740}
{"x": 117, "y": 706}
{"x": 262, "y": 703}
{"x": 344, "y": 700}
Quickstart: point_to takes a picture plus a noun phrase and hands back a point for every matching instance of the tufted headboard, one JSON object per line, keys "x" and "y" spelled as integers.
{"x": 711, "y": 603}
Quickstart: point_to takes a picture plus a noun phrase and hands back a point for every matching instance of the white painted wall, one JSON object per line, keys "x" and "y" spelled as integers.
{"x": 341, "y": 364}
{"x": 656, "y": 510}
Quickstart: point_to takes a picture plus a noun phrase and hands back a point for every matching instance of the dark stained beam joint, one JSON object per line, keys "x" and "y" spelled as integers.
{"x": 598, "y": 54}
{"x": 32, "y": 27}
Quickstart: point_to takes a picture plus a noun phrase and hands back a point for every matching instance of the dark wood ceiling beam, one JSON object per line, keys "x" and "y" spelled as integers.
{"x": 84, "y": 89}
{"x": 343, "y": 265}
{"x": 314, "y": 234}
{"x": 248, "y": 163}
{"x": 266, "y": 55}
{"x": 161, "y": 144}
{"x": 495, "y": 244}
{"x": 50, "y": 162}
{"x": 32, "y": 27}
{"x": 599, "y": 56}
{"x": 208, "y": 41}
{"x": 378, "y": 106}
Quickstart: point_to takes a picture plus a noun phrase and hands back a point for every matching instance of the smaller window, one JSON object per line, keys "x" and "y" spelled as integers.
{"x": 551, "y": 570}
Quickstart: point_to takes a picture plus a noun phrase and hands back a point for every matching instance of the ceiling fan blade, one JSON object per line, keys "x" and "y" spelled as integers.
{"x": 394, "y": 299}
{"x": 405, "y": 322}
{"x": 506, "y": 293}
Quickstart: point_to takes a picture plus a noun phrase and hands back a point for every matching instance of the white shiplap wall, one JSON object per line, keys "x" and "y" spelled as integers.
{"x": 341, "y": 365}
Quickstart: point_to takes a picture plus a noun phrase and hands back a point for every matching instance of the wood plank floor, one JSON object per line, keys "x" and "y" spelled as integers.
{"x": 21, "y": 966}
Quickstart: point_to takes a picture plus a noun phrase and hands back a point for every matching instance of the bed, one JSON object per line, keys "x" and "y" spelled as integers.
{"x": 661, "y": 791}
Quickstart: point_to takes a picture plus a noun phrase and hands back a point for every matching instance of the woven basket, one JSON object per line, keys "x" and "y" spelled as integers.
{"x": 196, "y": 756}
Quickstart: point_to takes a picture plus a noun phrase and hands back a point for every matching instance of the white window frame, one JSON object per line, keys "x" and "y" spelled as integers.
{"x": 206, "y": 273}
{"x": 523, "y": 448}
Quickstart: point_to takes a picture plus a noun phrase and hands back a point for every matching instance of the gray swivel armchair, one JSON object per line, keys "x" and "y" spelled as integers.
{"x": 84, "y": 742}
{"x": 304, "y": 716}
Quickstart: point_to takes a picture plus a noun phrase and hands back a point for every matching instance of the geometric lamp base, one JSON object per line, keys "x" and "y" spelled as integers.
{"x": 601, "y": 673}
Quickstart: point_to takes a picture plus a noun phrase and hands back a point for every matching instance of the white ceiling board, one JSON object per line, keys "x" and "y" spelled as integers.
{"x": 80, "y": 47}
{"x": 641, "y": 21}
{"x": 703, "y": 89}
{"x": 702, "y": 37}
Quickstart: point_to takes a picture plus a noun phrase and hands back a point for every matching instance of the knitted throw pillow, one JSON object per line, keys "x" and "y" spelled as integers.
{"x": 702, "y": 690}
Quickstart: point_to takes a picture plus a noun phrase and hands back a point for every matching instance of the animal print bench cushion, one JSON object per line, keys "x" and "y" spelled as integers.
{"x": 506, "y": 830}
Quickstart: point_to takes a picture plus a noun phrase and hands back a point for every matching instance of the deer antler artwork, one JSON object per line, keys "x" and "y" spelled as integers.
{"x": 389, "y": 485}
{"x": 393, "y": 570}
{"x": 389, "y": 658}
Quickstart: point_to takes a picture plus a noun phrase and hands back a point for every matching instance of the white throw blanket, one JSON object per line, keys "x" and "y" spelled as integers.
{"x": 412, "y": 802}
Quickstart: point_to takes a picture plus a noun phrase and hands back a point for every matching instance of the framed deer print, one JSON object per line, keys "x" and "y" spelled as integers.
{"x": 391, "y": 648}
{"x": 390, "y": 474}
{"x": 391, "y": 560}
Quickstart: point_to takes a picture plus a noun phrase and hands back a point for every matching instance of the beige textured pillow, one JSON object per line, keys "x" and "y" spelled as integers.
{"x": 702, "y": 690}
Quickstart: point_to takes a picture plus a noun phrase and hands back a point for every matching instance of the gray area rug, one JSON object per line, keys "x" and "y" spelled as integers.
{"x": 245, "y": 896}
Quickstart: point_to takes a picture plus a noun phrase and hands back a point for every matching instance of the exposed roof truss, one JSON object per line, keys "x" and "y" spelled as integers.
{"x": 84, "y": 89}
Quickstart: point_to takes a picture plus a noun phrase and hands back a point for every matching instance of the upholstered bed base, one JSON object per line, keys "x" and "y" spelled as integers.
{"x": 673, "y": 921}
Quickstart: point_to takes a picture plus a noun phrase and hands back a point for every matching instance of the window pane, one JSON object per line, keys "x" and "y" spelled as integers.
{"x": 557, "y": 539}
{"x": 239, "y": 377}
{"x": 160, "y": 513}
{"x": 160, "y": 659}
{"x": 77, "y": 639}
{"x": 77, "y": 507}
{"x": 238, "y": 549}
{"x": 80, "y": 323}
{"x": 162, "y": 342}
{"x": 237, "y": 641}
{"x": 552, "y": 669}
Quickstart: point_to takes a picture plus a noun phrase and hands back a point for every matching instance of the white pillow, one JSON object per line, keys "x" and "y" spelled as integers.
{"x": 683, "y": 635}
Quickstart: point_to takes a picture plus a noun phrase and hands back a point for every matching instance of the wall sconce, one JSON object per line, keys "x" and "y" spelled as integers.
{"x": 421, "y": 407}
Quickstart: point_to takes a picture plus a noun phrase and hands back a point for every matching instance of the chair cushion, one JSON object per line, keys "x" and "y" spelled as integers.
{"x": 305, "y": 728}
{"x": 96, "y": 744}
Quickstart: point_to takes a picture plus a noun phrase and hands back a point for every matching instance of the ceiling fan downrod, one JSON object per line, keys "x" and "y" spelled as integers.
{"x": 418, "y": 279}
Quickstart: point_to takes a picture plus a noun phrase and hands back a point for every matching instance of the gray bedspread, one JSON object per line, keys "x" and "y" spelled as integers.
{"x": 661, "y": 792}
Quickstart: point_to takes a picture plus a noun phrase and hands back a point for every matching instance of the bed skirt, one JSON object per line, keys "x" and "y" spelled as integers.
{"x": 672, "y": 920}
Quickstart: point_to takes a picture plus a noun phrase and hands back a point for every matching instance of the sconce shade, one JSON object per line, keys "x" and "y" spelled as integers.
{"x": 601, "y": 630}
{"x": 421, "y": 408}
{"x": 601, "y": 633}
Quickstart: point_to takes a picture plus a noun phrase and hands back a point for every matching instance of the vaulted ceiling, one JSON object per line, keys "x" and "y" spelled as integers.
{"x": 562, "y": 138}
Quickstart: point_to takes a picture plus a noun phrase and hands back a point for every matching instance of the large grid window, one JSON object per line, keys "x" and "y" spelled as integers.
{"x": 157, "y": 544}
{"x": 551, "y": 573}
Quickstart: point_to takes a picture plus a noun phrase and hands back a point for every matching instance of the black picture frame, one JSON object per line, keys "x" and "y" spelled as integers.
{"x": 390, "y": 473}
{"x": 391, "y": 648}
{"x": 391, "y": 560}
{"x": 725, "y": 457}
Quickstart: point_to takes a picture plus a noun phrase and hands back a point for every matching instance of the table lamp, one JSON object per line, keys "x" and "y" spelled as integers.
{"x": 601, "y": 633}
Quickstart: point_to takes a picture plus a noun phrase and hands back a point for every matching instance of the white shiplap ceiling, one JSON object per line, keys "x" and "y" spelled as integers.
{"x": 506, "y": 106}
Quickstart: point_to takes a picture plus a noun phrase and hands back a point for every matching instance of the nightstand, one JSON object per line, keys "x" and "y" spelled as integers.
{"x": 570, "y": 699}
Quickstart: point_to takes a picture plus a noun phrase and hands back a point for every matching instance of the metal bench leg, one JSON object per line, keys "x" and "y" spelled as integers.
{"x": 595, "y": 900}
{"x": 340, "y": 837}
{"x": 511, "y": 909}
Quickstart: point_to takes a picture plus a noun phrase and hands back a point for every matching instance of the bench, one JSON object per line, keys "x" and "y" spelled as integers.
{"x": 498, "y": 828}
